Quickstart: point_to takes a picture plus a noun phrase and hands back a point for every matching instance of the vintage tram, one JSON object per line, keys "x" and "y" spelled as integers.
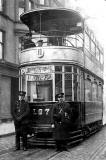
{"x": 61, "y": 54}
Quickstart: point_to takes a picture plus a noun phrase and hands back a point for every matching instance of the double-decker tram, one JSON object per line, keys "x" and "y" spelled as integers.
{"x": 61, "y": 54}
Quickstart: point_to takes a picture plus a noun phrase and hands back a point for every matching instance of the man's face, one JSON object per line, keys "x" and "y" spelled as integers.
{"x": 60, "y": 98}
{"x": 21, "y": 97}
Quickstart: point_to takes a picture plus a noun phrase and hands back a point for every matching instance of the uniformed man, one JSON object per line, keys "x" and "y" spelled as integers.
{"x": 20, "y": 114}
{"x": 28, "y": 43}
{"x": 40, "y": 43}
{"x": 61, "y": 120}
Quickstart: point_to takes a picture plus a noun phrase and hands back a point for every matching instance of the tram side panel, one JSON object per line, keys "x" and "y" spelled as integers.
{"x": 93, "y": 112}
{"x": 86, "y": 115}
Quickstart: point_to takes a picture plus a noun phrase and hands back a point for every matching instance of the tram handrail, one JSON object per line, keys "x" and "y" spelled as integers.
{"x": 54, "y": 40}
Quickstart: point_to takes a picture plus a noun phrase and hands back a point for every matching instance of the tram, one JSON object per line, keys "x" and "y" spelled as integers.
{"x": 61, "y": 54}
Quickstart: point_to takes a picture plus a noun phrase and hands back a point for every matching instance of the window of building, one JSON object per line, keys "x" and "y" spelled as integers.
{"x": 1, "y": 5}
{"x": 41, "y": 2}
{"x": 31, "y": 5}
{"x": 47, "y": 2}
{"x": 1, "y": 44}
{"x": 20, "y": 44}
{"x": 21, "y": 7}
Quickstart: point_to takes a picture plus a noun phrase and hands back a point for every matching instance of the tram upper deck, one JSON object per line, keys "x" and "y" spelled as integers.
{"x": 62, "y": 37}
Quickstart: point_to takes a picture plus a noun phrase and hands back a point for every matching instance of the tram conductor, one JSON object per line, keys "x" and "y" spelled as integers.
{"x": 61, "y": 120}
{"x": 20, "y": 114}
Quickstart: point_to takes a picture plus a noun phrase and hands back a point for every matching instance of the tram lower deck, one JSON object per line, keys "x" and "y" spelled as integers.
{"x": 86, "y": 119}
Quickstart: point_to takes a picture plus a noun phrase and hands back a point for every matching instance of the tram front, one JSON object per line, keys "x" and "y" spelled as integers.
{"x": 46, "y": 64}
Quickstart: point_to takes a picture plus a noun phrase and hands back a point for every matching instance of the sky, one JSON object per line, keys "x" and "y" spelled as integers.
{"x": 96, "y": 11}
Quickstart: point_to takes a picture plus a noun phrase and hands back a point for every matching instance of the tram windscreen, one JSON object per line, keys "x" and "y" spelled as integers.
{"x": 39, "y": 90}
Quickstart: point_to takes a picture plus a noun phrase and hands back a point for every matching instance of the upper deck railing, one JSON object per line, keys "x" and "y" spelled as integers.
{"x": 75, "y": 41}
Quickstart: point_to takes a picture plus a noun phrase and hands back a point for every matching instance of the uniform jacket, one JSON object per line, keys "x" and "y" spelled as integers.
{"x": 21, "y": 112}
{"x": 61, "y": 118}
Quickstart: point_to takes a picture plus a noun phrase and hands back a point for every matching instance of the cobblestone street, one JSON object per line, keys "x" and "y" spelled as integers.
{"x": 94, "y": 148}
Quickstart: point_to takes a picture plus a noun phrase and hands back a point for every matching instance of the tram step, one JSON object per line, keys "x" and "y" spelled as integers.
{"x": 75, "y": 141}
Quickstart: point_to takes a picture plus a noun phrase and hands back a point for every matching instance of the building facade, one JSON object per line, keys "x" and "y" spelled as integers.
{"x": 11, "y": 29}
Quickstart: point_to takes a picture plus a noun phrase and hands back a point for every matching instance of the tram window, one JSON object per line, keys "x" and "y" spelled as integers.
{"x": 23, "y": 83}
{"x": 68, "y": 87}
{"x": 75, "y": 87}
{"x": 75, "y": 69}
{"x": 58, "y": 83}
{"x": 44, "y": 90}
{"x": 40, "y": 90}
{"x": 100, "y": 92}
{"x": 82, "y": 87}
{"x": 87, "y": 90}
{"x": 68, "y": 68}
{"x": 58, "y": 68}
{"x": 94, "y": 92}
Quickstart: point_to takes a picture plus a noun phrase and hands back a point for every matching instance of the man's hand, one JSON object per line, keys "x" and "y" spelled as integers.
{"x": 52, "y": 125}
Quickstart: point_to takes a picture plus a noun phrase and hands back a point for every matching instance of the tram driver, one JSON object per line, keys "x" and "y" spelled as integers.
{"x": 21, "y": 113}
{"x": 61, "y": 120}
{"x": 40, "y": 43}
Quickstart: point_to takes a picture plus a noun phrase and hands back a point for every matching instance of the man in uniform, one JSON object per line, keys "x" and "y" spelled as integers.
{"x": 61, "y": 120}
{"x": 20, "y": 114}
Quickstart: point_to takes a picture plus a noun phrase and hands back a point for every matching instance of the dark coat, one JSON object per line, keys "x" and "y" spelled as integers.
{"x": 21, "y": 113}
{"x": 61, "y": 118}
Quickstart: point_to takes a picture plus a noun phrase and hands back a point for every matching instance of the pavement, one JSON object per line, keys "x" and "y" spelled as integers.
{"x": 7, "y": 128}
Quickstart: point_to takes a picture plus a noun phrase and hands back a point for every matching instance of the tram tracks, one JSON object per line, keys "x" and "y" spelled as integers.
{"x": 97, "y": 152}
{"x": 39, "y": 153}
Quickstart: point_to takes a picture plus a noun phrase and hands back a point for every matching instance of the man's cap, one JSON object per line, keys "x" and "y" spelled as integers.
{"x": 59, "y": 95}
{"x": 40, "y": 40}
{"x": 22, "y": 93}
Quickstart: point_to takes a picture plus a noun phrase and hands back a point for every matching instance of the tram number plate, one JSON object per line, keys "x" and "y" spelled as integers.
{"x": 42, "y": 111}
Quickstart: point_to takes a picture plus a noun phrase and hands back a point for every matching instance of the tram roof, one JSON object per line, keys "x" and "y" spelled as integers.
{"x": 45, "y": 20}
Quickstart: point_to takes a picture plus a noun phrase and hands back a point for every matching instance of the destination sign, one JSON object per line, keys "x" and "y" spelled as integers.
{"x": 37, "y": 69}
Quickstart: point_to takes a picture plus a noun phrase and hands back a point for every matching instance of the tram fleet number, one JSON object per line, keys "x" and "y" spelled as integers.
{"x": 41, "y": 112}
